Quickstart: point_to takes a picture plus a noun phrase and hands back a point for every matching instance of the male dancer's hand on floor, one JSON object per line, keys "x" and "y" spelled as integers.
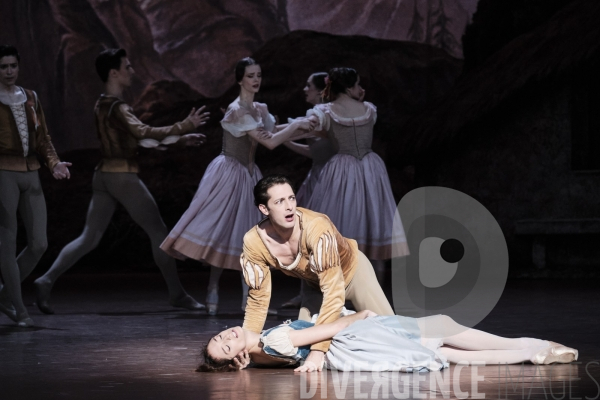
{"x": 241, "y": 361}
{"x": 314, "y": 362}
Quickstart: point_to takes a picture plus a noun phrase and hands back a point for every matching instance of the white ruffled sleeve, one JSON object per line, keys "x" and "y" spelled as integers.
{"x": 268, "y": 119}
{"x": 279, "y": 340}
{"x": 373, "y": 110}
{"x": 320, "y": 111}
{"x": 239, "y": 126}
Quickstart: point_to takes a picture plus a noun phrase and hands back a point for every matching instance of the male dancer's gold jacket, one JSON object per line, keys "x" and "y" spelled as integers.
{"x": 326, "y": 259}
{"x": 11, "y": 147}
{"x": 120, "y": 131}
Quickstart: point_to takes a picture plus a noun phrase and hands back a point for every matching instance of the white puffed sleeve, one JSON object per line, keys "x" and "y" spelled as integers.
{"x": 239, "y": 126}
{"x": 268, "y": 119}
{"x": 279, "y": 340}
{"x": 320, "y": 111}
{"x": 373, "y": 110}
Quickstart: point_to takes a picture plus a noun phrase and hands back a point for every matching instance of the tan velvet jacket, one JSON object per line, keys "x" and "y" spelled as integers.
{"x": 11, "y": 147}
{"x": 119, "y": 131}
{"x": 327, "y": 259}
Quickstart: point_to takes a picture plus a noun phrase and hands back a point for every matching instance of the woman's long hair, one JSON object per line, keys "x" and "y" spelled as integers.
{"x": 214, "y": 365}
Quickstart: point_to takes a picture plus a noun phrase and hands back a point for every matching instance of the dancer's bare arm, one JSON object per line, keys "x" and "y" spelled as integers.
{"x": 273, "y": 139}
{"x": 316, "y": 358}
{"x": 319, "y": 333}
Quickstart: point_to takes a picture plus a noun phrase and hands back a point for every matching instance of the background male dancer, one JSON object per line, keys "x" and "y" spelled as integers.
{"x": 304, "y": 244}
{"x": 116, "y": 179}
{"x": 23, "y": 133}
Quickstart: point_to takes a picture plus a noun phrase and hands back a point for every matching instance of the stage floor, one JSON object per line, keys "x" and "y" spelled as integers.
{"x": 115, "y": 337}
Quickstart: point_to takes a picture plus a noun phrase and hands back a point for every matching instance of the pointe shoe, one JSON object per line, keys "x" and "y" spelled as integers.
{"x": 188, "y": 303}
{"x": 42, "y": 297}
{"x": 212, "y": 302}
{"x": 9, "y": 310}
{"x": 555, "y": 353}
{"x": 293, "y": 302}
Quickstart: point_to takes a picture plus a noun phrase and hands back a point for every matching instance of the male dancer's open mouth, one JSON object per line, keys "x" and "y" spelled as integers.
{"x": 289, "y": 217}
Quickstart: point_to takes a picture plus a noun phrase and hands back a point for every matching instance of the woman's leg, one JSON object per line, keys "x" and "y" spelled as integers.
{"x": 212, "y": 296}
{"x": 489, "y": 357}
{"x": 475, "y": 345}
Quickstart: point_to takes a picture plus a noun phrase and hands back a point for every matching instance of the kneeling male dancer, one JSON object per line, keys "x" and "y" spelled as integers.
{"x": 304, "y": 244}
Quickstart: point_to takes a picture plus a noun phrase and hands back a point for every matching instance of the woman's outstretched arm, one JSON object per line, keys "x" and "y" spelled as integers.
{"x": 318, "y": 333}
{"x": 273, "y": 139}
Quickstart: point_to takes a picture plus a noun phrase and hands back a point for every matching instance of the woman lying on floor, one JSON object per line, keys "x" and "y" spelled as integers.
{"x": 391, "y": 343}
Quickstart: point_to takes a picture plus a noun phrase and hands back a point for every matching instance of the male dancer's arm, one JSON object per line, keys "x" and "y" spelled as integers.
{"x": 325, "y": 262}
{"x": 322, "y": 244}
{"x": 139, "y": 130}
{"x": 45, "y": 148}
{"x": 257, "y": 275}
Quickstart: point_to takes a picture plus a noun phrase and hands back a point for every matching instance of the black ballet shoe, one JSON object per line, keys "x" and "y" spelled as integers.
{"x": 188, "y": 303}
{"x": 42, "y": 297}
{"x": 44, "y": 307}
{"x": 25, "y": 322}
{"x": 10, "y": 312}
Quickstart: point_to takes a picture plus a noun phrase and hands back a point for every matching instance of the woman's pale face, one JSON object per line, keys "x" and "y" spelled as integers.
{"x": 311, "y": 93}
{"x": 9, "y": 70}
{"x": 227, "y": 344}
{"x": 252, "y": 79}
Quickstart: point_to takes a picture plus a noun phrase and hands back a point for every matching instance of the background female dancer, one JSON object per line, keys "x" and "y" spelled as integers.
{"x": 223, "y": 210}
{"x": 319, "y": 149}
{"x": 392, "y": 343}
{"x": 354, "y": 188}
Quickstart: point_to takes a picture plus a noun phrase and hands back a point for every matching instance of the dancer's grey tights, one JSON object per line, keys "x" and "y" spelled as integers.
{"x": 20, "y": 191}
{"x": 130, "y": 191}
